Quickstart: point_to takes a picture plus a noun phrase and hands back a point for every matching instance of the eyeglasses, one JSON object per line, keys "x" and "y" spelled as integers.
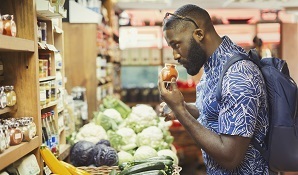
{"x": 168, "y": 14}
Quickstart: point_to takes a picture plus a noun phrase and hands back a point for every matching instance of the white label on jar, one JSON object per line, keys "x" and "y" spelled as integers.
{"x": 43, "y": 95}
{"x": 18, "y": 136}
{"x": 14, "y": 98}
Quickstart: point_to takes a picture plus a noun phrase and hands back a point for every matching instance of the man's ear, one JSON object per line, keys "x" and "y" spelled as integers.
{"x": 198, "y": 35}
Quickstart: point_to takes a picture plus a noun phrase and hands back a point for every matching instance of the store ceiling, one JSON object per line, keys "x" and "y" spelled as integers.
{"x": 208, "y": 4}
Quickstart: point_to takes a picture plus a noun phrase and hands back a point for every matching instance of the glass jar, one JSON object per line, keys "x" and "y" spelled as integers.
{"x": 42, "y": 93}
{"x": 3, "y": 98}
{"x": 32, "y": 127}
{"x": 168, "y": 72}
{"x": 24, "y": 128}
{"x": 9, "y": 26}
{"x": 10, "y": 95}
{"x": 16, "y": 135}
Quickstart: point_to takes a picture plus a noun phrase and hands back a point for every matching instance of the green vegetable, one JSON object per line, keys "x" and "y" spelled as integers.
{"x": 112, "y": 102}
{"x": 113, "y": 172}
{"x": 91, "y": 132}
{"x": 145, "y": 152}
{"x": 113, "y": 114}
{"x": 164, "y": 161}
{"x": 106, "y": 122}
{"x": 115, "y": 139}
{"x": 161, "y": 157}
{"x": 168, "y": 152}
{"x": 152, "y": 136}
{"x": 151, "y": 172}
{"x": 141, "y": 117}
{"x": 123, "y": 165}
{"x": 124, "y": 156}
{"x": 143, "y": 167}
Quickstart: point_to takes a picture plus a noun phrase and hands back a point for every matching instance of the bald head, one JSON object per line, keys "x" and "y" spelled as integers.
{"x": 197, "y": 14}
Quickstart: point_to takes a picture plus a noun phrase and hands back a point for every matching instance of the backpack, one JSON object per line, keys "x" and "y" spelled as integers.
{"x": 281, "y": 143}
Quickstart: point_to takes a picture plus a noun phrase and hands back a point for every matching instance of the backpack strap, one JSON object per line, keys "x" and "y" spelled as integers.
{"x": 253, "y": 56}
{"x": 234, "y": 59}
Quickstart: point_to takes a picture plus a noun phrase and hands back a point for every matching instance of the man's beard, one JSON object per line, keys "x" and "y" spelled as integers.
{"x": 196, "y": 58}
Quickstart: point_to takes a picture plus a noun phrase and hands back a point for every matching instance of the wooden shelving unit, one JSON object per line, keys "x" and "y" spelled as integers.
{"x": 20, "y": 56}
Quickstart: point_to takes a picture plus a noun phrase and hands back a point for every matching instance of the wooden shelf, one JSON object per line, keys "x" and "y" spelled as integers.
{"x": 14, "y": 44}
{"x": 8, "y": 109}
{"x": 47, "y": 78}
{"x": 51, "y": 104}
{"x": 14, "y": 153}
{"x": 64, "y": 150}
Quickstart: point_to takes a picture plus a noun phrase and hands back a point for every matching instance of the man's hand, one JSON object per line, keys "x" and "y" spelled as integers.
{"x": 171, "y": 95}
{"x": 166, "y": 112}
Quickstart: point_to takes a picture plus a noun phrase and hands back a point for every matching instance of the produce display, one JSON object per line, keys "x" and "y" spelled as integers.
{"x": 157, "y": 165}
{"x": 119, "y": 135}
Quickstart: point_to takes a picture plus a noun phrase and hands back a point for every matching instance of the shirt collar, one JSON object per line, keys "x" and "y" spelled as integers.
{"x": 218, "y": 55}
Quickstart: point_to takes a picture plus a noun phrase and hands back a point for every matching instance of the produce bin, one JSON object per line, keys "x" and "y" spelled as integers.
{"x": 102, "y": 170}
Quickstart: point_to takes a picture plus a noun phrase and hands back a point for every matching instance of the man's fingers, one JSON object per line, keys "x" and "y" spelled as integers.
{"x": 174, "y": 83}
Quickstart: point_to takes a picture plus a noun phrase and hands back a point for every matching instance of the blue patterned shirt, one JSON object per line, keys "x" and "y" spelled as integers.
{"x": 242, "y": 110}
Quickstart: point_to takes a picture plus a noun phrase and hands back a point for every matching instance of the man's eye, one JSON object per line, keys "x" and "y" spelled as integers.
{"x": 176, "y": 46}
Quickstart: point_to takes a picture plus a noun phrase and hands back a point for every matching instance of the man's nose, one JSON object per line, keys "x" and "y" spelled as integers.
{"x": 176, "y": 55}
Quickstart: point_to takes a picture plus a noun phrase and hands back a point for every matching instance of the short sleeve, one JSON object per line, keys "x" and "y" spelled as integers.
{"x": 240, "y": 99}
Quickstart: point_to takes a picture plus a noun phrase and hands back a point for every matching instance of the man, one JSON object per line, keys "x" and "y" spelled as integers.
{"x": 223, "y": 129}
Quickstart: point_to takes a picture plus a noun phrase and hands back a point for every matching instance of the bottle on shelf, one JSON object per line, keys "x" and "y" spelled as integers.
{"x": 43, "y": 28}
{"x": 9, "y": 26}
{"x": 54, "y": 132}
{"x": 45, "y": 131}
{"x": 10, "y": 95}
